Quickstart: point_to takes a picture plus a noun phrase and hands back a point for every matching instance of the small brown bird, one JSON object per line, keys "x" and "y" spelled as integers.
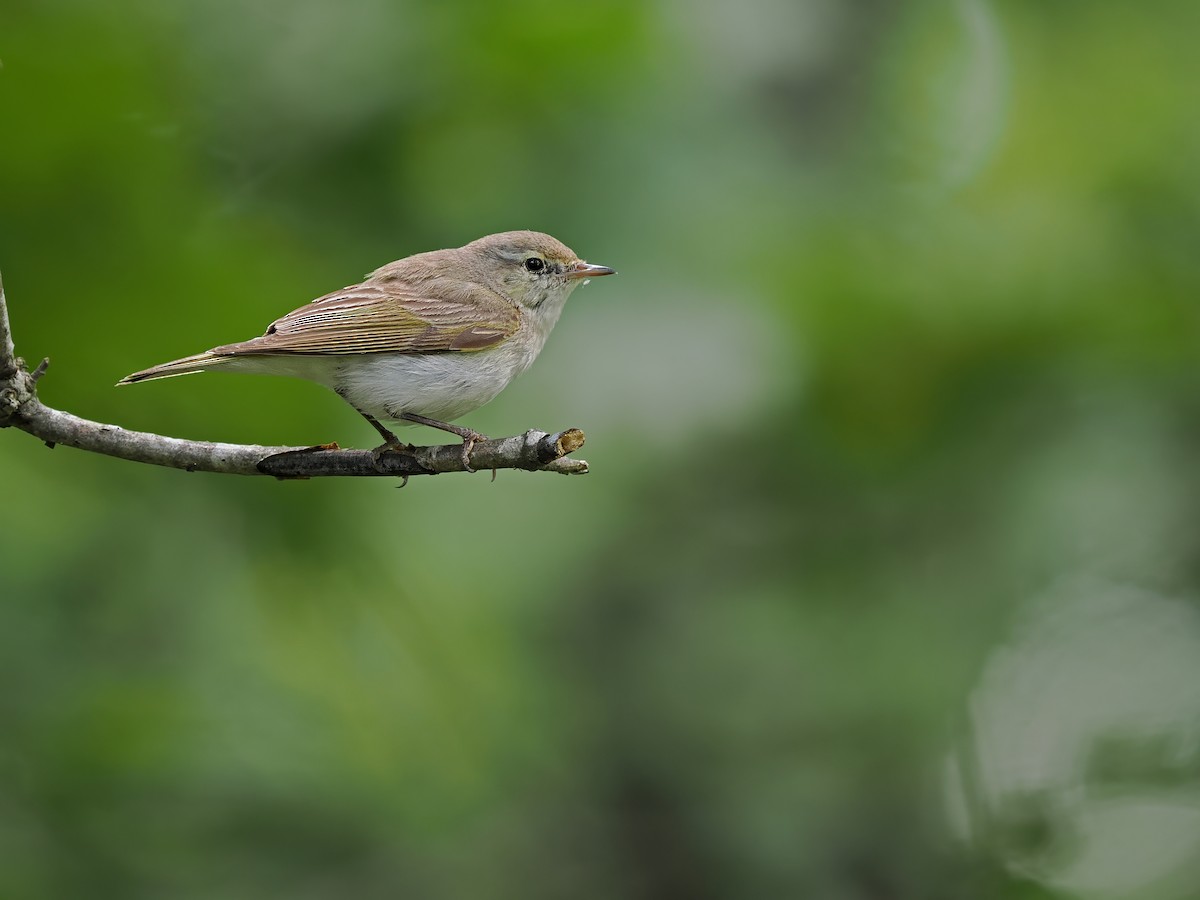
{"x": 425, "y": 339}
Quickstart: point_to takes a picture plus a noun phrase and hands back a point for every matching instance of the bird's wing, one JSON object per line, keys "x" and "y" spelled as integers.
{"x": 388, "y": 317}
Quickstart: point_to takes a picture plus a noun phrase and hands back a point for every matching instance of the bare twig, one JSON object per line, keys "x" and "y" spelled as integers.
{"x": 8, "y": 354}
{"x": 20, "y": 408}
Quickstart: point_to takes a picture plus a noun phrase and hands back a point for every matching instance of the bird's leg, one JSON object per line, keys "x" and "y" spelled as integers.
{"x": 391, "y": 442}
{"x": 468, "y": 436}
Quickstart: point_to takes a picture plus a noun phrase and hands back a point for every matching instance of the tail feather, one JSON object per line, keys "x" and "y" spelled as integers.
{"x": 189, "y": 365}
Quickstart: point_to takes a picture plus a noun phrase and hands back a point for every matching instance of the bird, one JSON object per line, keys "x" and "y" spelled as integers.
{"x": 422, "y": 340}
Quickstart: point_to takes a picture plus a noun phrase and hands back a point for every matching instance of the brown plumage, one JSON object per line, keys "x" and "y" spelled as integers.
{"x": 435, "y": 302}
{"x": 425, "y": 338}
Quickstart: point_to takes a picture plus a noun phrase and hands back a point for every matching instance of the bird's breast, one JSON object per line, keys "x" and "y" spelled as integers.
{"x": 441, "y": 386}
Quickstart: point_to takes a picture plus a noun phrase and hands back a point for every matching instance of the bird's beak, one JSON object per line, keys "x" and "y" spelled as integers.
{"x": 587, "y": 270}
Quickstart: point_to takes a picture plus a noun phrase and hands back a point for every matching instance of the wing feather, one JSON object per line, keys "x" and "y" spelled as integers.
{"x": 389, "y": 317}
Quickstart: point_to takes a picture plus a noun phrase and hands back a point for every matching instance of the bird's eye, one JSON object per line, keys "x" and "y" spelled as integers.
{"x": 535, "y": 264}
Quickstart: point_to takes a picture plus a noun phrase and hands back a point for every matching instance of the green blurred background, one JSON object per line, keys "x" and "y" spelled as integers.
{"x": 884, "y": 583}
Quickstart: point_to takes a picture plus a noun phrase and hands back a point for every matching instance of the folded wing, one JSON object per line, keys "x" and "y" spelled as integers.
{"x": 387, "y": 317}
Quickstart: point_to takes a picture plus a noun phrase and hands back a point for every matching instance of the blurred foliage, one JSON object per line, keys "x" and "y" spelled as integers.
{"x": 905, "y": 333}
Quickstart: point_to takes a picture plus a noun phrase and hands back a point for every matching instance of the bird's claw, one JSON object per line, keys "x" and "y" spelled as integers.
{"x": 390, "y": 447}
{"x": 469, "y": 445}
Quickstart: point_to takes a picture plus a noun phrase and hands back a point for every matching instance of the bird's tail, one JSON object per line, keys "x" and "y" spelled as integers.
{"x": 201, "y": 362}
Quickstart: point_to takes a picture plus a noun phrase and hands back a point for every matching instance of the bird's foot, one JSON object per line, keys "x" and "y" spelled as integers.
{"x": 469, "y": 436}
{"x": 469, "y": 440}
{"x": 393, "y": 446}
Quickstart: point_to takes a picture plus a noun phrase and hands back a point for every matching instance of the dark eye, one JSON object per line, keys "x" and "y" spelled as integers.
{"x": 535, "y": 264}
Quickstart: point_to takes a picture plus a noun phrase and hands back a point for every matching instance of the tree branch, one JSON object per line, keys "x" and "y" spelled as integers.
{"x": 21, "y": 409}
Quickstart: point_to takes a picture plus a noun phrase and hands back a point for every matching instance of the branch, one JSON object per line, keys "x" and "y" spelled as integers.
{"x": 21, "y": 409}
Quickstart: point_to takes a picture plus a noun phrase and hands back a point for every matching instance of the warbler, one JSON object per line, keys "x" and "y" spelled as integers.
{"x": 425, "y": 339}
